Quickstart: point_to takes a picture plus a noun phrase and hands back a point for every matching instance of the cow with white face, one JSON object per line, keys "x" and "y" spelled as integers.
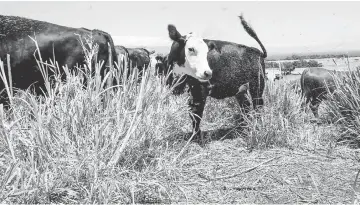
{"x": 190, "y": 55}
{"x": 219, "y": 69}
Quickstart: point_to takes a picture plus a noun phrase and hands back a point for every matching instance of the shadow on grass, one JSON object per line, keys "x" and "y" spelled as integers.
{"x": 221, "y": 134}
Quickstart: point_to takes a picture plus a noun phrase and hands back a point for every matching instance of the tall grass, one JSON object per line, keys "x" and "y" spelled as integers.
{"x": 278, "y": 122}
{"x": 343, "y": 105}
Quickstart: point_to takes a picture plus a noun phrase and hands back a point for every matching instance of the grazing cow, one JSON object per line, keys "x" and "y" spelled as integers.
{"x": 313, "y": 83}
{"x": 121, "y": 50}
{"x": 139, "y": 57}
{"x": 218, "y": 69}
{"x": 53, "y": 40}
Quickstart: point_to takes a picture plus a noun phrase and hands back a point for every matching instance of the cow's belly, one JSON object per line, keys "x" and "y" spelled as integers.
{"x": 219, "y": 92}
{"x": 227, "y": 81}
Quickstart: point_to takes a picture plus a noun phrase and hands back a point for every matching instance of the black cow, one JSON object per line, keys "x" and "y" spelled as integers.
{"x": 314, "y": 83}
{"x": 218, "y": 69}
{"x": 121, "y": 50}
{"x": 52, "y": 40}
{"x": 139, "y": 57}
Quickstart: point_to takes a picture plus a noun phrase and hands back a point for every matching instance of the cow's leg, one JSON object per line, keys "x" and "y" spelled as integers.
{"x": 241, "y": 97}
{"x": 256, "y": 89}
{"x": 197, "y": 102}
{"x": 258, "y": 102}
{"x": 243, "y": 101}
{"x": 314, "y": 106}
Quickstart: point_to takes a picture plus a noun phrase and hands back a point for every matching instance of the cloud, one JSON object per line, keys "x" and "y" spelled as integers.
{"x": 147, "y": 41}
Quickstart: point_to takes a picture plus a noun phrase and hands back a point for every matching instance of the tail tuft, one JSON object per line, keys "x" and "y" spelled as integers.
{"x": 252, "y": 33}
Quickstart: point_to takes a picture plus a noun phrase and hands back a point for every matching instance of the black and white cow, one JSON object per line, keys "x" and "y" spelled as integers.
{"x": 218, "y": 69}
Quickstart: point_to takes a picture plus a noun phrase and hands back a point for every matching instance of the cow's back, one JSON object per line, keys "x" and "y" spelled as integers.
{"x": 52, "y": 40}
{"x": 15, "y": 40}
{"x": 121, "y": 50}
{"x": 139, "y": 57}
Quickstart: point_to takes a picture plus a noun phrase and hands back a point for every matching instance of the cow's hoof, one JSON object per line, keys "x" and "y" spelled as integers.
{"x": 200, "y": 138}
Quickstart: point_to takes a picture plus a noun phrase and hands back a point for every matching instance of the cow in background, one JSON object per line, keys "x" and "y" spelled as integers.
{"x": 137, "y": 58}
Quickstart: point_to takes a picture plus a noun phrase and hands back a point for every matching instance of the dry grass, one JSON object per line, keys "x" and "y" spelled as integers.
{"x": 100, "y": 145}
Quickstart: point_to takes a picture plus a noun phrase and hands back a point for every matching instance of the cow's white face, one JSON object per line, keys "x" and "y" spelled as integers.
{"x": 191, "y": 51}
{"x": 196, "y": 63}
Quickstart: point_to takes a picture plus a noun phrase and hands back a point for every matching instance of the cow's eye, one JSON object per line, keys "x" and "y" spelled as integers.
{"x": 191, "y": 49}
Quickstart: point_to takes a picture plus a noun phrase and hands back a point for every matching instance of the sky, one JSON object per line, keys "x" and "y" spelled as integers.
{"x": 282, "y": 26}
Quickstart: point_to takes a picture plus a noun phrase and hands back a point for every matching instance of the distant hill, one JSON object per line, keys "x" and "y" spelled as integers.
{"x": 308, "y": 55}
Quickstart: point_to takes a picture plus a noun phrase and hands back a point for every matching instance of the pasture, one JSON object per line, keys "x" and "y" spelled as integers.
{"x": 132, "y": 146}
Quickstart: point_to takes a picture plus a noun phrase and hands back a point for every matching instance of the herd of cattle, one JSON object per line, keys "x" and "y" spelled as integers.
{"x": 219, "y": 69}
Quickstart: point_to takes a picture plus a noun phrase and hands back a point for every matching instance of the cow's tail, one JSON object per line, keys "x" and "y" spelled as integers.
{"x": 253, "y": 34}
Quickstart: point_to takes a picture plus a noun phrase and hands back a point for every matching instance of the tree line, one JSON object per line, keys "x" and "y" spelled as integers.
{"x": 294, "y": 64}
{"x": 315, "y": 56}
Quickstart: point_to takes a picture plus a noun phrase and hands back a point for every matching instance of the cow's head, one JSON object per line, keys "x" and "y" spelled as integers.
{"x": 159, "y": 58}
{"x": 161, "y": 64}
{"x": 188, "y": 54}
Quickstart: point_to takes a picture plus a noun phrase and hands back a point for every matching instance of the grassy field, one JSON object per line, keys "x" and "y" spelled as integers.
{"x": 129, "y": 145}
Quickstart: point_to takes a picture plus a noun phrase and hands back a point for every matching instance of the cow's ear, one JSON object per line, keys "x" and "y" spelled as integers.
{"x": 173, "y": 33}
{"x": 212, "y": 46}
